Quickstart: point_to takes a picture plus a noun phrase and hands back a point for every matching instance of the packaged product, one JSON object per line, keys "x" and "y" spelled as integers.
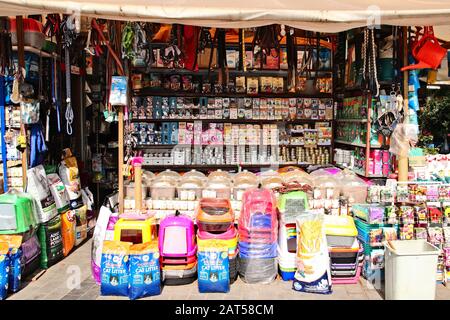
{"x": 15, "y": 254}
{"x": 391, "y": 214}
{"x": 68, "y": 224}
{"x": 389, "y": 233}
{"x": 420, "y": 233}
{"x": 313, "y": 269}
{"x": 58, "y": 191}
{"x": 50, "y": 238}
{"x": 68, "y": 171}
{"x": 115, "y": 268}
{"x": 37, "y": 186}
{"x": 213, "y": 267}
{"x": 407, "y": 214}
{"x": 435, "y": 236}
{"x": 4, "y": 270}
{"x": 81, "y": 225}
{"x": 145, "y": 274}
{"x": 421, "y": 214}
{"x": 407, "y": 232}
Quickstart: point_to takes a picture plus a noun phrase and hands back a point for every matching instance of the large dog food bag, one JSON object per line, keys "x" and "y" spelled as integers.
{"x": 59, "y": 192}
{"x": 4, "y": 269}
{"x": 50, "y": 237}
{"x": 68, "y": 223}
{"x": 213, "y": 267}
{"x": 15, "y": 254}
{"x": 313, "y": 262}
{"x": 115, "y": 268}
{"x": 145, "y": 274}
{"x": 37, "y": 186}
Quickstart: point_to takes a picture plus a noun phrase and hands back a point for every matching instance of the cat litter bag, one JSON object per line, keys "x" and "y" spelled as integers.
{"x": 115, "y": 268}
{"x": 313, "y": 261}
{"x": 50, "y": 238}
{"x": 145, "y": 274}
{"x": 4, "y": 269}
{"x": 37, "y": 186}
{"x": 15, "y": 255}
{"x": 213, "y": 267}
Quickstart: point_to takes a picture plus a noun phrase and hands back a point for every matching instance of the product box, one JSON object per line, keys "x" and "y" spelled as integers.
{"x": 249, "y": 59}
{"x": 232, "y": 58}
{"x": 283, "y": 59}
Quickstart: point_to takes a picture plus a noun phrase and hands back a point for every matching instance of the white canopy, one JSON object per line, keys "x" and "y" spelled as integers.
{"x": 323, "y": 15}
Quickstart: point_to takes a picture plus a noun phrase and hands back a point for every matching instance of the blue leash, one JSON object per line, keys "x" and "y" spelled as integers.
{"x": 3, "y": 132}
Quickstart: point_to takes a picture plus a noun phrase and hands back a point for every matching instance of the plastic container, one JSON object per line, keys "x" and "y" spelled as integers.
{"x": 190, "y": 188}
{"x": 220, "y": 175}
{"x": 33, "y": 33}
{"x": 242, "y": 184}
{"x": 340, "y": 231}
{"x": 129, "y": 191}
{"x": 410, "y": 270}
{"x": 217, "y": 187}
{"x": 271, "y": 182}
{"x": 163, "y": 189}
{"x": 195, "y": 174}
{"x": 214, "y": 215}
{"x": 169, "y": 174}
{"x": 354, "y": 188}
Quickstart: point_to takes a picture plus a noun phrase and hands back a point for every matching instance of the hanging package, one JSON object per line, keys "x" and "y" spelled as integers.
{"x": 68, "y": 171}
{"x": 29, "y": 111}
{"x": 51, "y": 242}
{"x": 213, "y": 267}
{"x": 115, "y": 268}
{"x": 145, "y": 275}
{"x": 68, "y": 224}
{"x": 313, "y": 262}
{"x": 15, "y": 253}
{"x": 4, "y": 270}
{"x": 37, "y": 186}
{"x": 58, "y": 191}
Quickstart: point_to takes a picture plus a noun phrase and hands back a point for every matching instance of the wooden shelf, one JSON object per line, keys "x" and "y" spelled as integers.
{"x": 359, "y": 172}
{"x": 362, "y": 145}
{"x": 239, "y": 121}
{"x": 208, "y": 167}
{"x": 352, "y": 120}
{"x": 153, "y": 92}
{"x": 34, "y": 50}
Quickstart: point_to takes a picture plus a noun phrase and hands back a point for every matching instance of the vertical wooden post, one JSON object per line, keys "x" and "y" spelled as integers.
{"x": 403, "y": 161}
{"x": 21, "y": 64}
{"x": 120, "y": 160}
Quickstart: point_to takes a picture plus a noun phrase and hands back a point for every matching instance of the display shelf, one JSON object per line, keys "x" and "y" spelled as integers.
{"x": 153, "y": 92}
{"x": 39, "y": 52}
{"x": 356, "y": 144}
{"x": 359, "y": 172}
{"x": 362, "y": 145}
{"x": 238, "y": 121}
{"x": 217, "y": 166}
{"x": 352, "y": 120}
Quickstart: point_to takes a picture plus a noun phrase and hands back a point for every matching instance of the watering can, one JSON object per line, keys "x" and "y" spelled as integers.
{"x": 427, "y": 52}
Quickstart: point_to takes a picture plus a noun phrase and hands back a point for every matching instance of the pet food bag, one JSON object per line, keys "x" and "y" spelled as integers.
{"x": 4, "y": 269}
{"x": 68, "y": 224}
{"x": 58, "y": 191}
{"x": 37, "y": 186}
{"x": 50, "y": 237}
{"x": 98, "y": 237}
{"x": 115, "y": 268}
{"x": 313, "y": 262}
{"x": 15, "y": 254}
{"x": 68, "y": 171}
{"x": 81, "y": 225}
{"x": 213, "y": 267}
{"x": 145, "y": 274}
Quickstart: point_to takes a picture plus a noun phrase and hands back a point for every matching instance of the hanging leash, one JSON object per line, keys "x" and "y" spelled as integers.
{"x": 69, "y": 35}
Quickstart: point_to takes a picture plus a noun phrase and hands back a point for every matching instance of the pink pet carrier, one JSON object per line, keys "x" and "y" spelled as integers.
{"x": 258, "y": 220}
{"x": 177, "y": 237}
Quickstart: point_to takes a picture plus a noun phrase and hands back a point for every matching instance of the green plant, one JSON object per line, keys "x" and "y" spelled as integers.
{"x": 435, "y": 116}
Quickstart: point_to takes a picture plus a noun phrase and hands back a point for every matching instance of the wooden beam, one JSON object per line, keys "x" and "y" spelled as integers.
{"x": 403, "y": 161}
{"x": 21, "y": 63}
{"x": 120, "y": 160}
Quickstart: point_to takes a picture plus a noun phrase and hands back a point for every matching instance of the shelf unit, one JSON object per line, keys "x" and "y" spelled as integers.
{"x": 234, "y": 121}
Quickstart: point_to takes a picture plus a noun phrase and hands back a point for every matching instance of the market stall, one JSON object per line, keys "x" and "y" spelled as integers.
{"x": 277, "y": 147}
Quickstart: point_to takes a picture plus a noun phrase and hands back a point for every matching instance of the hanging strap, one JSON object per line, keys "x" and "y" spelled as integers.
{"x": 69, "y": 110}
